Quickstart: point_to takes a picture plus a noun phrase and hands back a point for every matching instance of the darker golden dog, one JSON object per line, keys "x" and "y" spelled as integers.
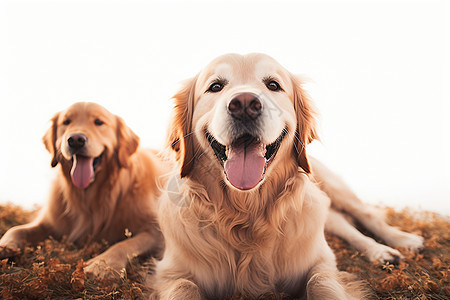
{"x": 106, "y": 186}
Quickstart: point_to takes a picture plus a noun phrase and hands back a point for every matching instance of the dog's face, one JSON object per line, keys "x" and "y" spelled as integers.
{"x": 85, "y": 136}
{"x": 246, "y": 110}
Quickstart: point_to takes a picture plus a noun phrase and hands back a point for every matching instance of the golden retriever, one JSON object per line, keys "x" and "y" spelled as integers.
{"x": 246, "y": 211}
{"x": 106, "y": 189}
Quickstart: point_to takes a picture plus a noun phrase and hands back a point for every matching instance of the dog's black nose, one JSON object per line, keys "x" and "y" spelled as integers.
{"x": 245, "y": 106}
{"x": 77, "y": 141}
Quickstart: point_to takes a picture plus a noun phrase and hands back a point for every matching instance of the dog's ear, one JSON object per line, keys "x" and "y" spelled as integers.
{"x": 180, "y": 129}
{"x": 305, "y": 132}
{"x": 49, "y": 139}
{"x": 127, "y": 143}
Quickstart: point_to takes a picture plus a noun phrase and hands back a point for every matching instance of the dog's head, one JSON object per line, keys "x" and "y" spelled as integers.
{"x": 86, "y": 136}
{"x": 247, "y": 111}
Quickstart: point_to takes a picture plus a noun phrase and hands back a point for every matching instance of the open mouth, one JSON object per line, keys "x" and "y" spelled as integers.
{"x": 246, "y": 159}
{"x": 83, "y": 169}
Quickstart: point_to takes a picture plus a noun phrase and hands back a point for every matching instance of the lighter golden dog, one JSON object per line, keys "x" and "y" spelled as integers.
{"x": 105, "y": 187}
{"x": 246, "y": 212}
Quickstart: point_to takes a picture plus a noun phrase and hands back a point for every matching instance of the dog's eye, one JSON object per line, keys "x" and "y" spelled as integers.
{"x": 98, "y": 122}
{"x": 273, "y": 86}
{"x": 66, "y": 122}
{"x": 216, "y": 87}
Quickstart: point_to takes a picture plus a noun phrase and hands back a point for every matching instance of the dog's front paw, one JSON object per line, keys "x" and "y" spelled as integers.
{"x": 383, "y": 254}
{"x": 8, "y": 252}
{"x": 9, "y": 245}
{"x": 182, "y": 289}
{"x": 11, "y": 242}
{"x": 102, "y": 267}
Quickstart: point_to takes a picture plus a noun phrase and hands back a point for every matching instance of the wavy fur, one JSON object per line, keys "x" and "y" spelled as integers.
{"x": 223, "y": 241}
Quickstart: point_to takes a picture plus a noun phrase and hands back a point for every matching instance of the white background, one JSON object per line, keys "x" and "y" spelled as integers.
{"x": 379, "y": 75}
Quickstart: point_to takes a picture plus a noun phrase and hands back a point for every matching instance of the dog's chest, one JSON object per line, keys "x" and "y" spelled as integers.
{"x": 95, "y": 218}
{"x": 253, "y": 270}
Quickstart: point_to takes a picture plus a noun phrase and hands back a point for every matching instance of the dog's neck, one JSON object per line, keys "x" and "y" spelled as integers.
{"x": 245, "y": 218}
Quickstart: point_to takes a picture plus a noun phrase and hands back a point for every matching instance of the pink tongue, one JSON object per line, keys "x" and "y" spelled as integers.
{"x": 82, "y": 171}
{"x": 245, "y": 165}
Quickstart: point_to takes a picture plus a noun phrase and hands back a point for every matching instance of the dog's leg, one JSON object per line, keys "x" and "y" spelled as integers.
{"x": 115, "y": 259}
{"x": 16, "y": 237}
{"x": 171, "y": 280}
{"x": 336, "y": 224}
{"x": 179, "y": 289}
{"x": 326, "y": 283}
{"x": 343, "y": 199}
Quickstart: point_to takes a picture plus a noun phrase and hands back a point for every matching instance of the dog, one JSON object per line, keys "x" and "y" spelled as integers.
{"x": 246, "y": 211}
{"x": 106, "y": 189}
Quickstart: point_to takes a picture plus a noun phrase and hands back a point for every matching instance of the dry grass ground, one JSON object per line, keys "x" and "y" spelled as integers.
{"x": 53, "y": 269}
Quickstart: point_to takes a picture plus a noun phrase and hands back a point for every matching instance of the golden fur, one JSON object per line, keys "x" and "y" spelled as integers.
{"x": 121, "y": 197}
{"x": 221, "y": 240}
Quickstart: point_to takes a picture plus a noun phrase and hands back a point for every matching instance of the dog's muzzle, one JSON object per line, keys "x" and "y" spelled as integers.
{"x": 246, "y": 159}
{"x": 83, "y": 165}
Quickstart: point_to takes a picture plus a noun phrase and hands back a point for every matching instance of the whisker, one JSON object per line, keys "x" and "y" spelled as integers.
{"x": 201, "y": 154}
{"x": 296, "y": 137}
{"x": 198, "y": 157}
{"x": 303, "y": 146}
{"x": 187, "y": 135}
{"x": 295, "y": 147}
{"x": 290, "y": 135}
{"x": 174, "y": 143}
{"x": 209, "y": 135}
{"x": 193, "y": 157}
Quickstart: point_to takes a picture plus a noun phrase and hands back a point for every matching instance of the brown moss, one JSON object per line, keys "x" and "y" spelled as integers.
{"x": 54, "y": 269}
{"x": 422, "y": 275}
